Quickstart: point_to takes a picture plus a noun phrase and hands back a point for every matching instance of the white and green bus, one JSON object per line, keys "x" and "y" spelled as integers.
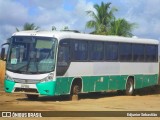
{"x": 69, "y": 63}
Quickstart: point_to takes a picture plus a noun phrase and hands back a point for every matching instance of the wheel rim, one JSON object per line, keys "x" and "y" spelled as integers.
{"x": 76, "y": 89}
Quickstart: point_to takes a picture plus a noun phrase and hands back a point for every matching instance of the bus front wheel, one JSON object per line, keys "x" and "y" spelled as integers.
{"x": 130, "y": 87}
{"x": 31, "y": 97}
{"x": 74, "y": 92}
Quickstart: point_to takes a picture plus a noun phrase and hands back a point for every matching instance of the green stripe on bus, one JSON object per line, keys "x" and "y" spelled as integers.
{"x": 104, "y": 83}
{"x": 46, "y": 88}
{"x": 9, "y": 86}
{"x": 145, "y": 80}
{"x": 63, "y": 85}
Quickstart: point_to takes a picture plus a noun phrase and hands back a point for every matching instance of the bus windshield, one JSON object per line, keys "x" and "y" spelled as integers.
{"x": 31, "y": 55}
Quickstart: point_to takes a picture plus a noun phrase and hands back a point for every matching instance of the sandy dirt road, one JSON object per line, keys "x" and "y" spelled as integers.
{"x": 93, "y": 102}
{"x": 146, "y": 100}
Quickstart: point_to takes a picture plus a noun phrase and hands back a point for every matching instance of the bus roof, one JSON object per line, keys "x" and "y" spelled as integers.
{"x": 72, "y": 35}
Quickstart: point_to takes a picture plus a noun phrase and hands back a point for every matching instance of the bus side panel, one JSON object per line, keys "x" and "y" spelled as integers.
{"x": 113, "y": 82}
{"x": 63, "y": 85}
{"x": 149, "y": 80}
{"x": 138, "y": 81}
{"x": 103, "y": 83}
{"x": 145, "y": 80}
{"x": 121, "y": 84}
{"x": 88, "y": 84}
{"x": 117, "y": 82}
{"x": 95, "y": 84}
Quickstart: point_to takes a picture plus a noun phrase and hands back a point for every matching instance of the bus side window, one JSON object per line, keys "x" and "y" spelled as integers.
{"x": 80, "y": 50}
{"x": 63, "y": 60}
{"x": 63, "y": 56}
{"x": 138, "y": 52}
{"x": 111, "y": 51}
{"x": 96, "y": 51}
{"x": 151, "y": 53}
{"x": 125, "y": 52}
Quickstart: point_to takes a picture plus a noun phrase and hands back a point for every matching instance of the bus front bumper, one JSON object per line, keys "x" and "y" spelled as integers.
{"x": 43, "y": 88}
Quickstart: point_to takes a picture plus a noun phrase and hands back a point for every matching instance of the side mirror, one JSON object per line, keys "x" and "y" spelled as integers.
{"x": 3, "y": 53}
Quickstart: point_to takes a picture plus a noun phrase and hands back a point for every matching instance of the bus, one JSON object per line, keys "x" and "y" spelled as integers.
{"x": 53, "y": 63}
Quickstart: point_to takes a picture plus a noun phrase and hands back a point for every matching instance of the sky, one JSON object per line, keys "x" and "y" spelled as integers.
{"x": 72, "y": 13}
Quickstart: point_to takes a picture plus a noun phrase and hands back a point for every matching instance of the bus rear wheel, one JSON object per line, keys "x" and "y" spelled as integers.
{"x": 130, "y": 87}
{"x": 32, "y": 97}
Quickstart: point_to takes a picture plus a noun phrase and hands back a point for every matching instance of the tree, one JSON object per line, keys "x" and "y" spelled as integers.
{"x": 122, "y": 27}
{"x": 101, "y": 19}
{"x": 65, "y": 28}
{"x": 54, "y": 28}
{"x": 105, "y": 23}
{"x": 29, "y": 26}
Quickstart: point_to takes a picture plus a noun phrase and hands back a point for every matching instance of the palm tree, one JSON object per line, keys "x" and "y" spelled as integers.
{"x": 54, "y": 28}
{"x": 122, "y": 27}
{"x": 65, "y": 28}
{"x": 29, "y": 26}
{"x": 101, "y": 19}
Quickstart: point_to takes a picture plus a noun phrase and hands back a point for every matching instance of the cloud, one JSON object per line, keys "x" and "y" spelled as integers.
{"x": 12, "y": 13}
{"x": 61, "y": 17}
{"x": 5, "y": 31}
{"x": 45, "y": 14}
{"x": 71, "y": 13}
{"x": 80, "y": 14}
{"x": 146, "y": 14}
{"x": 46, "y": 4}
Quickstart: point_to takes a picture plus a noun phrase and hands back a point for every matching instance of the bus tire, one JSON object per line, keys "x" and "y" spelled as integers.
{"x": 130, "y": 87}
{"x": 32, "y": 97}
{"x": 74, "y": 97}
{"x": 74, "y": 92}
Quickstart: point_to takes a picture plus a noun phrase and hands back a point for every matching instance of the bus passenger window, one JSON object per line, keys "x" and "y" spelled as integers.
{"x": 63, "y": 60}
{"x": 138, "y": 52}
{"x": 63, "y": 56}
{"x": 151, "y": 53}
{"x": 80, "y": 50}
{"x": 125, "y": 52}
{"x": 96, "y": 51}
{"x": 111, "y": 51}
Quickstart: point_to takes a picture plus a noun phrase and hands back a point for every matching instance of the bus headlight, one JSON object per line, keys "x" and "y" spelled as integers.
{"x": 7, "y": 77}
{"x": 50, "y": 77}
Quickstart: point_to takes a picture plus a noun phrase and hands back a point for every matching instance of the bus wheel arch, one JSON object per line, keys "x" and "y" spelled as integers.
{"x": 75, "y": 88}
{"x": 130, "y": 86}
